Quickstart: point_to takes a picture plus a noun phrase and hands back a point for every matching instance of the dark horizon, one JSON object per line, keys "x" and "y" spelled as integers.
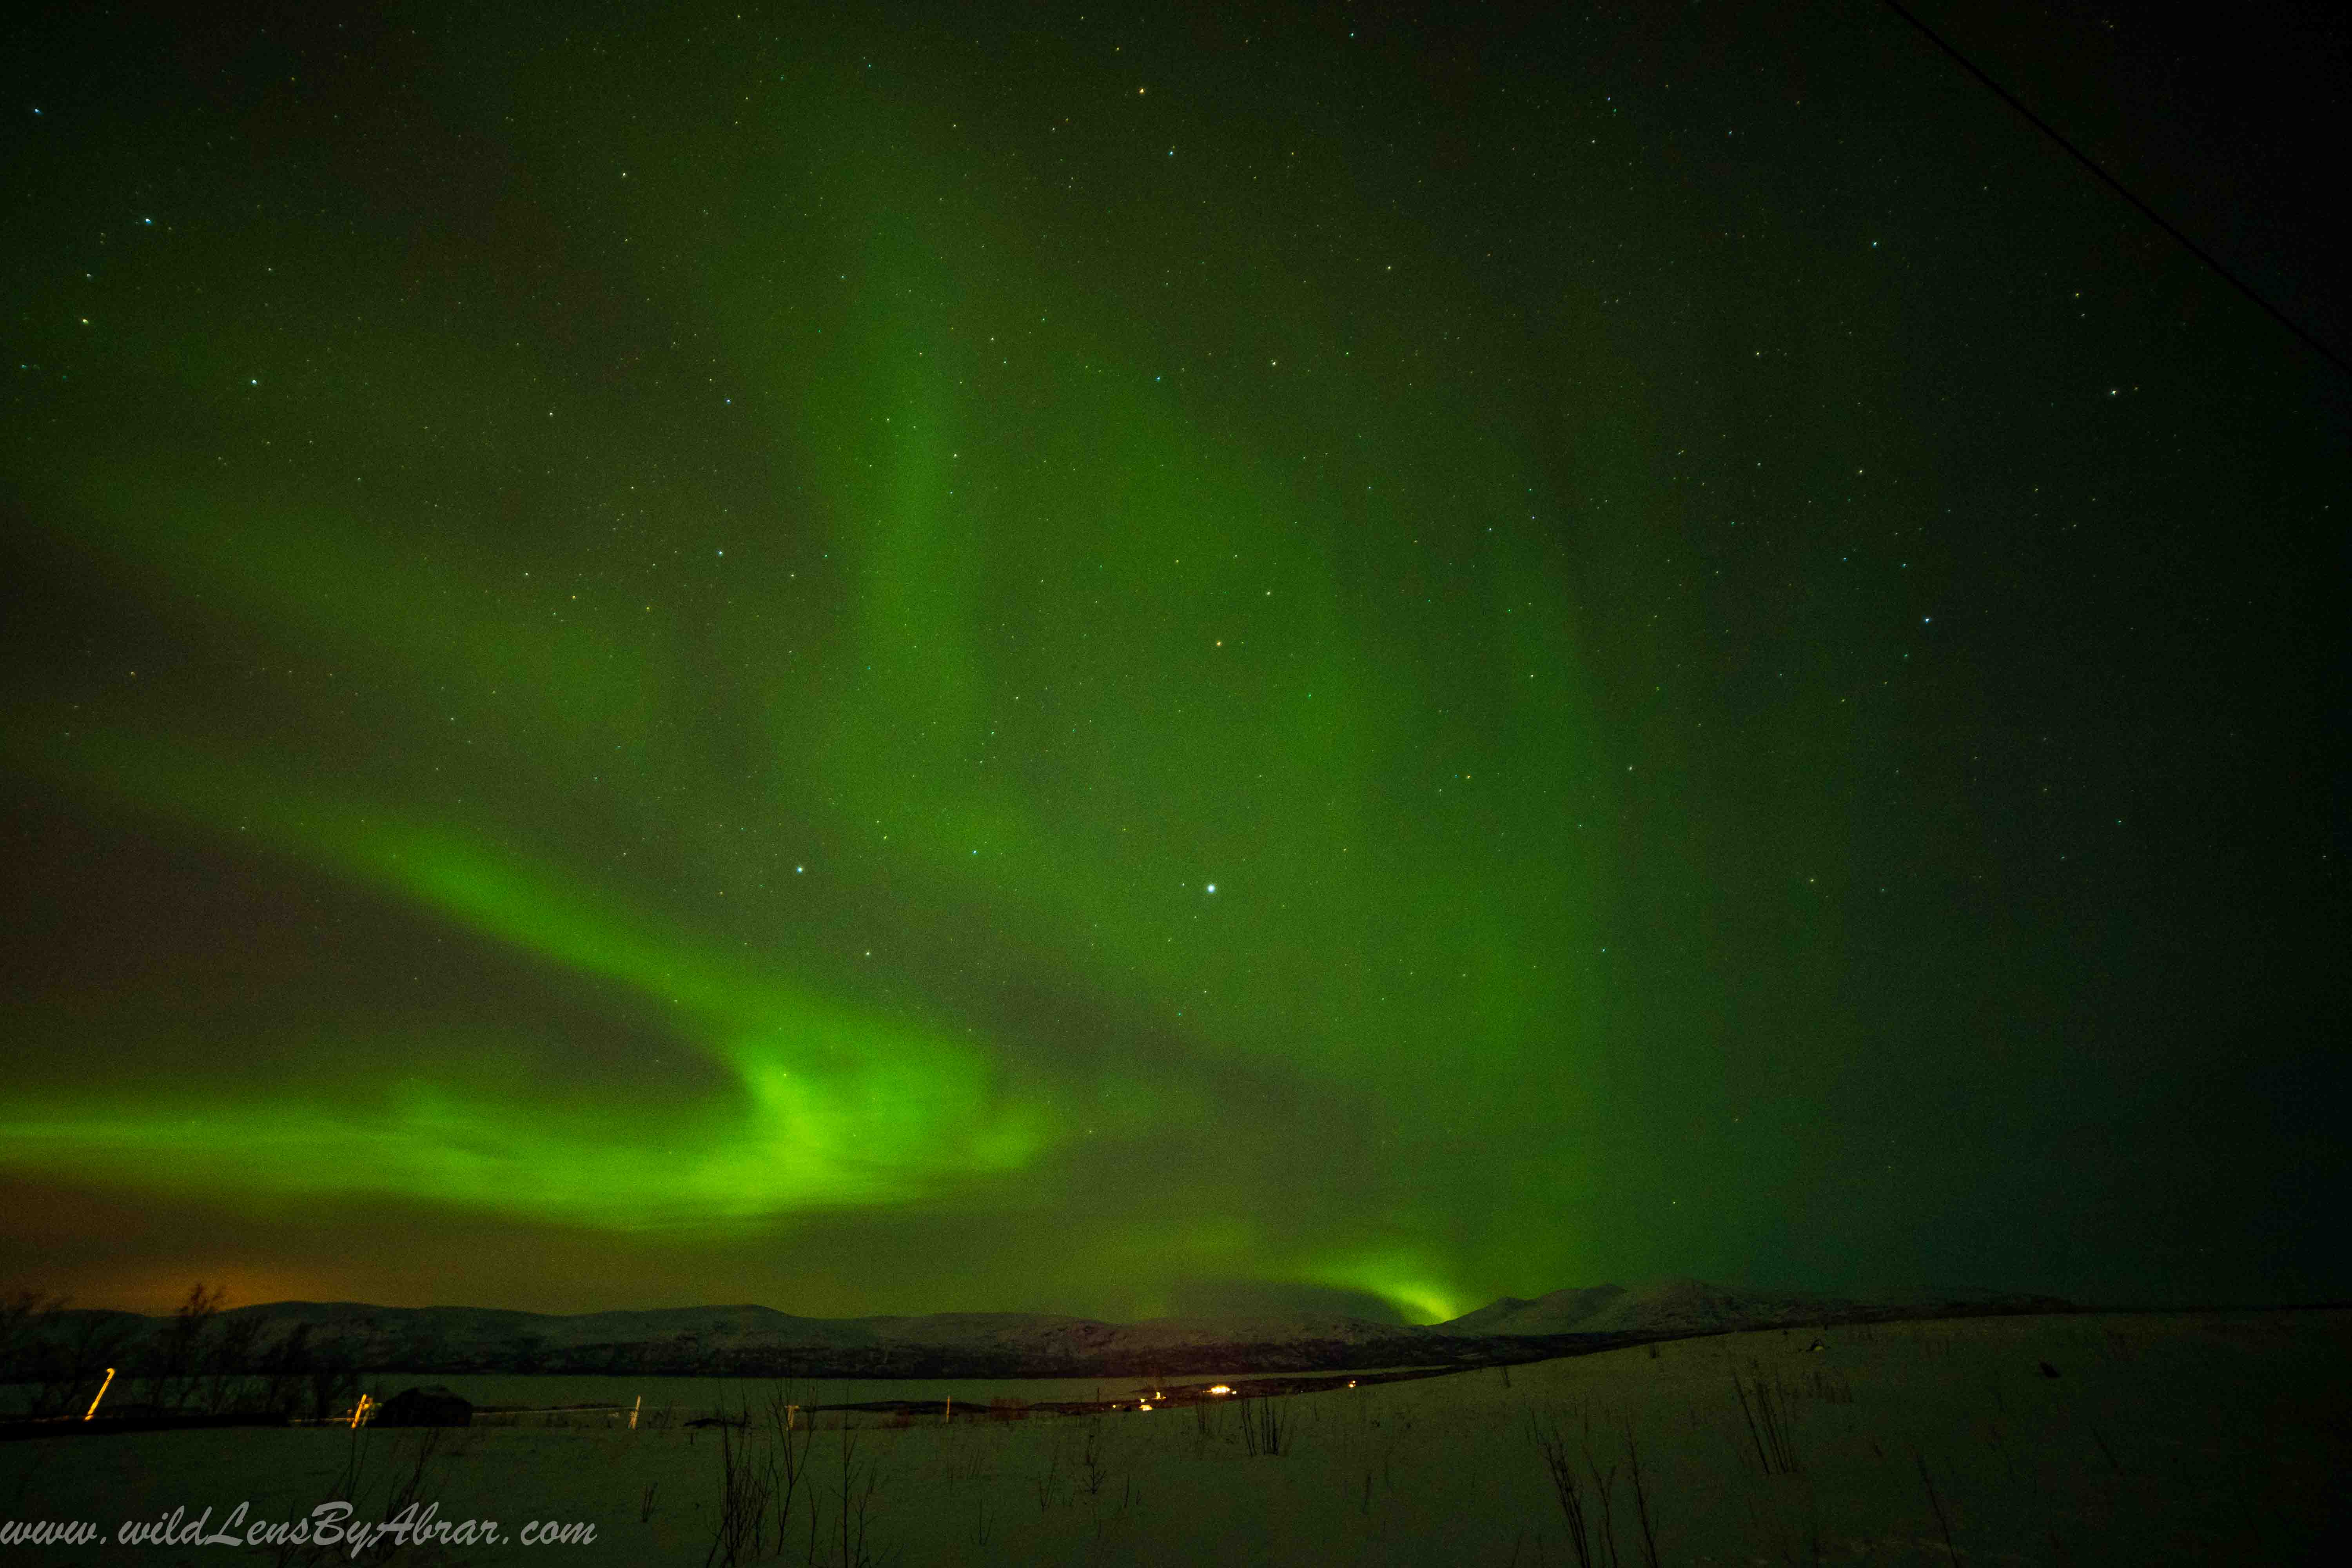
{"x": 885, "y": 659}
{"x": 1368, "y": 1310}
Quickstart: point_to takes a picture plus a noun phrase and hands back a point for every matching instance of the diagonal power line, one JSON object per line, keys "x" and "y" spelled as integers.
{"x": 2150, "y": 213}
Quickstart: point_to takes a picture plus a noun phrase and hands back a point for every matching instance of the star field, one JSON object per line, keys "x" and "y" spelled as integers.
{"x": 907, "y": 661}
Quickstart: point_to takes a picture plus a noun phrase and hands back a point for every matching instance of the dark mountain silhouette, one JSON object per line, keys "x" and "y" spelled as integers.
{"x": 753, "y": 1340}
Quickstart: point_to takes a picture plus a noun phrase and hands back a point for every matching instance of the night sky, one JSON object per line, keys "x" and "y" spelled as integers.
{"x": 1008, "y": 659}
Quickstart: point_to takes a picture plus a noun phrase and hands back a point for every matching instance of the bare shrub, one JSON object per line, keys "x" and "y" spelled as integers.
{"x": 175, "y": 1359}
{"x": 859, "y": 1485}
{"x": 25, "y": 1318}
{"x": 406, "y": 1486}
{"x": 1092, "y": 1471}
{"x": 1828, "y": 1389}
{"x": 1592, "y": 1515}
{"x": 760, "y": 1475}
{"x": 1266, "y": 1427}
{"x": 1765, "y": 1407}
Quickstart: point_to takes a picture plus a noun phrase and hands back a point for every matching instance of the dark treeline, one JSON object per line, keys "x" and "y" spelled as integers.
{"x": 197, "y": 1361}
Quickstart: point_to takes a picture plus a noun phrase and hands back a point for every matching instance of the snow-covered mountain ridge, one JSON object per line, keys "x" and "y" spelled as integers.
{"x": 755, "y": 1341}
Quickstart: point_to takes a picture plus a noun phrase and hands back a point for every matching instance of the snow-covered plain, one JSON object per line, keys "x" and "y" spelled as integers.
{"x": 2204, "y": 1437}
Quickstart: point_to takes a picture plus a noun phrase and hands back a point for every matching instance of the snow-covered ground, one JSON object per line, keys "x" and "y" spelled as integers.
{"x": 2206, "y": 1437}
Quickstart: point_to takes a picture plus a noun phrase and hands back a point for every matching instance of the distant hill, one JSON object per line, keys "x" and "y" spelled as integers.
{"x": 1671, "y": 1306}
{"x": 750, "y": 1341}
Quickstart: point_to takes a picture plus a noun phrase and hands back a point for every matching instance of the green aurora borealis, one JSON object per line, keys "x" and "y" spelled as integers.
{"x": 1105, "y": 669}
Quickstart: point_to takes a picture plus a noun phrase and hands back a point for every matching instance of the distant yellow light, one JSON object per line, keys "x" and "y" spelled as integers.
{"x": 1222, "y": 1388}
{"x": 1145, "y": 1405}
